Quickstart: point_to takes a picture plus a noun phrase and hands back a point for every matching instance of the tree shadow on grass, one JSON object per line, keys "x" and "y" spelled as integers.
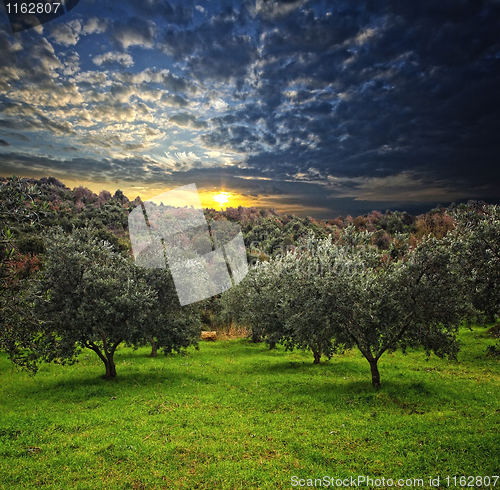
{"x": 350, "y": 378}
{"x": 336, "y": 366}
{"x": 79, "y": 387}
{"x": 411, "y": 396}
{"x": 341, "y": 376}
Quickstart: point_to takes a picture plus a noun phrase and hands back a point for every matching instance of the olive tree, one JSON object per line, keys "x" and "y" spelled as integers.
{"x": 416, "y": 301}
{"x": 478, "y": 231}
{"x": 18, "y": 209}
{"x": 169, "y": 326}
{"x": 257, "y": 303}
{"x": 90, "y": 296}
{"x": 281, "y": 299}
{"x": 335, "y": 296}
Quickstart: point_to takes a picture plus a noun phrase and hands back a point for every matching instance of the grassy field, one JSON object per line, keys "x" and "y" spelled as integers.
{"x": 235, "y": 415}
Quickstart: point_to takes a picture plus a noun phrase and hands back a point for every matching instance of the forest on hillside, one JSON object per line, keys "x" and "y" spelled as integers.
{"x": 376, "y": 282}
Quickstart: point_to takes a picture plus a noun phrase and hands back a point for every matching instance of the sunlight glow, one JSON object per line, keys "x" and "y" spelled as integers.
{"x": 221, "y": 197}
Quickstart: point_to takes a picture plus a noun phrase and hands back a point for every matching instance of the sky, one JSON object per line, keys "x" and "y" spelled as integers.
{"x": 312, "y": 108}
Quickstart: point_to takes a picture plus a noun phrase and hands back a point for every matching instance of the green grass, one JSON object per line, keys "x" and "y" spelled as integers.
{"x": 235, "y": 415}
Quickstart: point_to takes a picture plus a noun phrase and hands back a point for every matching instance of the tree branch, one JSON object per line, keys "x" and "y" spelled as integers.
{"x": 368, "y": 355}
{"x": 115, "y": 345}
{"x": 104, "y": 343}
{"x": 397, "y": 338}
{"x": 95, "y": 348}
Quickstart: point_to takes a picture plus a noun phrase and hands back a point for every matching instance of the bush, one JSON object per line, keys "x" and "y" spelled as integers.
{"x": 30, "y": 245}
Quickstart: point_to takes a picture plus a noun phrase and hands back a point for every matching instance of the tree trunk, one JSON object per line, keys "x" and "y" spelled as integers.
{"x": 317, "y": 356}
{"x": 490, "y": 316}
{"x": 110, "y": 367}
{"x": 106, "y": 355}
{"x": 375, "y": 373}
{"x": 154, "y": 348}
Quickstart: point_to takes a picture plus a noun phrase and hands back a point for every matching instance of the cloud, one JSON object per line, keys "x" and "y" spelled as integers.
{"x": 175, "y": 83}
{"x": 66, "y": 34}
{"x": 187, "y": 120}
{"x": 15, "y": 136}
{"x": 71, "y": 63}
{"x": 89, "y": 79}
{"x": 275, "y": 8}
{"x": 181, "y": 161}
{"x": 173, "y": 100}
{"x": 169, "y": 81}
{"x": 230, "y": 59}
{"x": 347, "y": 96}
{"x": 51, "y": 94}
{"x": 113, "y": 112}
{"x": 111, "y": 58}
{"x": 134, "y": 32}
{"x": 39, "y": 123}
{"x": 95, "y": 25}
{"x": 4, "y": 143}
{"x": 236, "y": 137}
{"x": 151, "y": 133}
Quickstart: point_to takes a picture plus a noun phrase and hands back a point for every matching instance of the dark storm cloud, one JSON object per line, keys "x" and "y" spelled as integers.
{"x": 4, "y": 143}
{"x": 174, "y": 14}
{"x": 187, "y": 120}
{"x": 15, "y": 136}
{"x": 134, "y": 32}
{"x": 342, "y": 94}
{"x": 42, "y": 123}
{"x": 177, "y": 84}
{"x": 362, "y": 89}
{"x": 126, "y": 169}
{"x": 174, "y": 100}
{"x": 23, "y": 163}
{"x": 236, "y": 137}
{"x": 223, "y": 61}
{"x": 219, "y": 48}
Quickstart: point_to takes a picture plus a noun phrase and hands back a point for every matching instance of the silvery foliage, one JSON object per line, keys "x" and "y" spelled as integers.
{"x": 90, "y": 296}
{"x": 328, "y": 297}
{"x": 478, "y": 235}
{"x": 87, "y": 295}
{"x": 417, "y": 299}
{"x": 283, "y": 298}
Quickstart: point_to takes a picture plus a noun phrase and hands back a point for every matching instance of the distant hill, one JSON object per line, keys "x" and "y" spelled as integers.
{"x": 264, "y": 230}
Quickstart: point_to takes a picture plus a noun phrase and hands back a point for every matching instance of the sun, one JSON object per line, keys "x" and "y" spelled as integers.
{"x": 221, "y": 197}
